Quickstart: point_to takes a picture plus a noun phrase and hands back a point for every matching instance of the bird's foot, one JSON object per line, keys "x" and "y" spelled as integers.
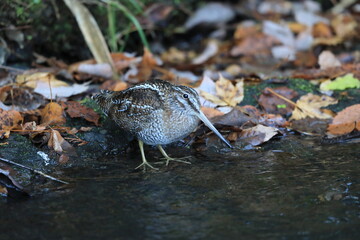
{"x": 146, "y": 164}
{"x": 168, "y": 159}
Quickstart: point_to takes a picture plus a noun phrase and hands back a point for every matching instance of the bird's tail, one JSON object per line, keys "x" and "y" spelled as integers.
{"x": 103, "y": 100}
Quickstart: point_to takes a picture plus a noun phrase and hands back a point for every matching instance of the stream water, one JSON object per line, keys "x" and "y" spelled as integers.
{"x": 291, "y": 189}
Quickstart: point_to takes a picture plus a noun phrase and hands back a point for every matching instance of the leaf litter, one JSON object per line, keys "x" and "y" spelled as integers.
{"x": 265, "y": 55}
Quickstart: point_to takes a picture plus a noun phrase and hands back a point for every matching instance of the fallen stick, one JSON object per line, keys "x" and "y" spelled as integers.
{"x": 33, "y": 170}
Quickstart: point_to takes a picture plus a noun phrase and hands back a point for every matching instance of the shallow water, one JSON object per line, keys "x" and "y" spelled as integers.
{"x": 292, "y": 189}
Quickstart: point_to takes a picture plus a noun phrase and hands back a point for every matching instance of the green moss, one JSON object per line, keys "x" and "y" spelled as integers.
{"x": 252, "y": 92}
{"x": 302, "y": 86}
{"x": 345, "y": 99}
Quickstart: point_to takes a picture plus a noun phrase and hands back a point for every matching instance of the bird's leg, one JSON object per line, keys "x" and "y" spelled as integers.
{"x": 168, "y": 159}
{"x": 144, "y": 163}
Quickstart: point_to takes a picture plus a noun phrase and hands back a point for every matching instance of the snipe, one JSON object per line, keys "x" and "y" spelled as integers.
{"x": 156, "y": 112}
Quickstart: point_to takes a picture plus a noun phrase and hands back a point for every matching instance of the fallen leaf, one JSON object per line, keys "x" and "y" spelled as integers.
{"x": 305, "y": 59}
{"x": 156, "y": 14}
{"x": 344, "y": 25}
{"x": 176, "y": 56}
{"x": 274, "y": 7}
{"x": 19, "y": 98}
{"x": 211, "y": 112}
{"x": 75, "y": 109}
{"x": 238, "y": 116}
{"x": 9, "y": 120}
{"x": 243, "y": 31}
{"x": 145, "y": 67}
{"x": 121, "y": 61}
{"x": 322, "y": 30}
{"x": 257, "y": 135}
{"x": 61, "y": 91}
{"x": 47, "y": 85}
{"x": 52, "y": 114}
{"x": 274, "y": 104}
{"x": 341, "y": 83}
{"x": 273, "y": 120}
{"x": 63, "y": 159}
{"x": 297, "y": 27}
{"x": 114, "y": 85}
{"x": 8, "y": 185}
{"x": 335, "y": 72}
{"x": 33, "y": 79}
{"x": 211, "y": 13}
{"x": 85, "y": 129}
{"x": 309, "y": 106}
{"x": 253, "y": 45}
{"x": 346, "y": 121}
{"x": 211, "y": 49}
{"x": 59, "y": 144}
{"x": 98, "y": 69}
{"x": 226, "y": 93}
{"x": 310, "y": 126}
{"x": 328, "y": 60}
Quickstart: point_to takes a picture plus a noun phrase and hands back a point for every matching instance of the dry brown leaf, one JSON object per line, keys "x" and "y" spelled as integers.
{"x": 297, "y": 27}
{"x": 328, "y": 60}
{"x": 255, "y": 44}
{"x": 59, "y": 144}
{"x": 30, "y": 127}
{"x": 176, "y": 56}
{"x": 211, "y": 50}
{"x": 346, "y": 121}
{"x": 273, "y": 104}
{"x": 114, "y": 85}
{"x": 309, "y": 106}
{"x": 257, "y": 135}
{"x": 33, "y": 79}
{"x": 63, "y": 158}
{"x": 85, "y": 129}
{"x": 8, "y": 185}
{"x": 305, "y": 59}
{"x": 226, "y": 93}
{"x": 344, "y": 25}
{"x": 321, "y": 30}
{"x": 120, "y": 86}
{"x": 75, "y": 109}
{"x": 52, "y": 114}
{"x": 238, "y": 116}
{"x": 145, "y": 67}
{"x": 211, "y": 112}
{"x": 19, "y": 98}
{"x": 9, "y": 120}
{"x": 242, "y": 31}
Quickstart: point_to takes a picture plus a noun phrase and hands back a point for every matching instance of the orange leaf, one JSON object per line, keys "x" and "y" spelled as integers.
{"x": 75, "y": 109}
{"x": 346, "y": 121}
{"x": 146, "y": 66}
{"x": 322, "y": 30}
{"x": 52, "y": 114}
{"x": 211, "y": 112}
{"x": 9, "y": 120}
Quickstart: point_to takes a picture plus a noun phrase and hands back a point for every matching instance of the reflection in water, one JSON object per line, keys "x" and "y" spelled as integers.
{"x": 290, "y": 189}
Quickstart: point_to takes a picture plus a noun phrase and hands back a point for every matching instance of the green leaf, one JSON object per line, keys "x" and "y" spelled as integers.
{"x": 341, "y": 83}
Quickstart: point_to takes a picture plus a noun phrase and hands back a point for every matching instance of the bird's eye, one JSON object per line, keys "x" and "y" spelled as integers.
{"x": 185, "y": 96}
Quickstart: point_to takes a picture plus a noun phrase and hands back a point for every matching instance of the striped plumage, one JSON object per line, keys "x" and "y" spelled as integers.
{"x": 156, "y": 112}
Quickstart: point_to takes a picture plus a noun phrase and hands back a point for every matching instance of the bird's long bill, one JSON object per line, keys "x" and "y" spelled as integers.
{"x": 209, "y": 125}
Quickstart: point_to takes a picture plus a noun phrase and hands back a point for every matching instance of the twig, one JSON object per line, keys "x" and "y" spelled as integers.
{"x": 289, "y": 101}
{"x": 11, "y": 68}
{"x": 33, "y": 170}
{"x": 282, "y": 97}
